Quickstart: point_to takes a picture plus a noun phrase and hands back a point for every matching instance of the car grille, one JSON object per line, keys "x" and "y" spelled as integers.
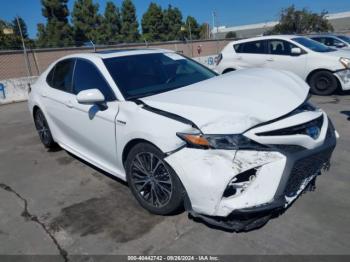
{"x": 305, "y": 168}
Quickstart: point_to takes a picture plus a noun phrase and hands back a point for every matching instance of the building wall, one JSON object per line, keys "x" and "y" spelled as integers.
{"x": 341, "y": 25}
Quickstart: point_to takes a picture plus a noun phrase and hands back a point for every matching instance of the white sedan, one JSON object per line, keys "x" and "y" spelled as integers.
{"x": 325, "y": 69}
{"x": 182, "y": 136}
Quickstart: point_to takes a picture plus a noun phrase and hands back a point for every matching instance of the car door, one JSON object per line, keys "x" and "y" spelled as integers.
{"x": 250, "y": 54}
{"x": 92, "y": 126}
{"x": 281, "y": 57}
{"x": 56, "y": 96}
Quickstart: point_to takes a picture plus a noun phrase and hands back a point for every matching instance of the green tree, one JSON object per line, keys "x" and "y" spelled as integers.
{"x": 152, "y": 23}
{"x": 203, "y": 31}
{"x": 8, "y": 40}
{"x": 86, "y": 22}
{"x": 293, "y": 21}
{"x": 129, "y": 30}
{"x": 191, "y": 28}
{"x": 172, "y": 21}
{"x": 111, "y": 23}
{"x": 57, "y": 30}
{"x": 231, "y": 34}
{"x": 41, "y": 35}
{"x": 23, "y": 26}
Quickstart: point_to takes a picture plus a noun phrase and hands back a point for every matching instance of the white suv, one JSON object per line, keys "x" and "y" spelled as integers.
{"x": 323, "y": 68}
{"x": 335, "y": 41}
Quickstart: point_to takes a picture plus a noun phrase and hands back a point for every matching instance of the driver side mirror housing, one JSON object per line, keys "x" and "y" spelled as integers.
{"x": 296, "y": 51}
{"x": 90, "y": 96}
{"x": 339, "y": 45}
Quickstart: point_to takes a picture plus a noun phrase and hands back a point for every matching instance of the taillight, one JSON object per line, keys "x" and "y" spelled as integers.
{"x": 218, "y": 59}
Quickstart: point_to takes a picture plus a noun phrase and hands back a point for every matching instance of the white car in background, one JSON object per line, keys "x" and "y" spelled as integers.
{"x": 230, "y": 151}
{"x": 325, "y": 69}
{"x": 335, "y": 41}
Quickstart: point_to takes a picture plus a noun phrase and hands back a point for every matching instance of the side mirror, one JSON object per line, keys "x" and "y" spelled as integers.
{"x": 339, "y": 45}
{"x": 90, "y": 96}
{"x": 296, "y": 51}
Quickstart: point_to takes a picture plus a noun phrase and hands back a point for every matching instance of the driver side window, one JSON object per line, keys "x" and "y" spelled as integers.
{"x": 87, "y": 76}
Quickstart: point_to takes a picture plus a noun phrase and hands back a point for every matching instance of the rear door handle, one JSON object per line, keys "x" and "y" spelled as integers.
{"x": 239, "y": 58}
{"x": 69, "y": 104}
{"x": 270, "y": 59}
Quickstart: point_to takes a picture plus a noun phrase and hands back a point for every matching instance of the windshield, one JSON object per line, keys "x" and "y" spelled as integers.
{"x": 149, "y": 74}
{"x": 313, "y": 45}
{"x": 344, "y": 38}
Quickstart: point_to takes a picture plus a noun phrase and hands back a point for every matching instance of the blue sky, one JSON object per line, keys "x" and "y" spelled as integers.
{"x": 230, "y": 12}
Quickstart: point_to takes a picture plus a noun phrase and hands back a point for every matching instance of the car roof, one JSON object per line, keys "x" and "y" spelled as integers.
{"x": 103, "y": 54}
{"x": 323, "y": 35}
{"x": 284, "y": 37}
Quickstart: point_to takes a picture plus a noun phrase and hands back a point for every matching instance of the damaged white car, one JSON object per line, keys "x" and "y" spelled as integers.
{"x": 231, "y": 149}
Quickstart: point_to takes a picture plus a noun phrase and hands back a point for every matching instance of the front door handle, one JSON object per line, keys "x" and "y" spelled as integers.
{"x": 69, "y": 104}
{"x": 270, "y": 59}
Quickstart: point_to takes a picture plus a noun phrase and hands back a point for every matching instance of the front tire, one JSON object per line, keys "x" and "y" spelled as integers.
{"x": 43, "y": 129}
{"x": 323, "y": 83}
{"x": 152, "y": 181}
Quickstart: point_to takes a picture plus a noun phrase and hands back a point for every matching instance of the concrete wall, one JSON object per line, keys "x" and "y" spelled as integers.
{"x": 16, "y": 90}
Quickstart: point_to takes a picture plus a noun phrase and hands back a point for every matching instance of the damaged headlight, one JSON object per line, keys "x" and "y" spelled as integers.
{"x": 345, "y": 62}
{"x": 228, "y": 142}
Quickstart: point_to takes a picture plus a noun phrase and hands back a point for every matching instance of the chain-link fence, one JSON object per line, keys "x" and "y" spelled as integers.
{"x": 19, "y": 66}
{"x": 16, "y": 63}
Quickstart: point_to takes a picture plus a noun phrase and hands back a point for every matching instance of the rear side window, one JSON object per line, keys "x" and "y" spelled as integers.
{"x": 328, "y": 41}
{"x": 87, "y": 76}
{"x": 255, "y": 47}
{"x": 61, "y": 75}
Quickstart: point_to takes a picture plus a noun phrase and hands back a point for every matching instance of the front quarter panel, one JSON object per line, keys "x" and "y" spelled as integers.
{"x": 133, "y": 122}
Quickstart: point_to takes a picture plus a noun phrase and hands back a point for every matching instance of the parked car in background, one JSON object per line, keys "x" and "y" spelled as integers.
{"x": 336, "y": 41}
{"x": 325, "y": 69}
{"x": 181, "y": 135}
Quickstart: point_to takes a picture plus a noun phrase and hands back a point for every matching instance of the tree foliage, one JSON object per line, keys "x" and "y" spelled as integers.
{"x": 111, "y": 24}
{"x": 129, "y": 29}
{"x": 57, "y": 31}
{"x": 23, "y": 26}
{"x": 172, "y": 21}
{"x": 231, "y": 34}
{"x": 86, "y": 22}
{"x": 152, "y": 23}
{"x": 293, "y": 21}
{"x": 191, "y": 29}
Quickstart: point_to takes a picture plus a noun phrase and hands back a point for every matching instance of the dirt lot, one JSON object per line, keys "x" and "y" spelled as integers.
{"x": 53, "y": 203}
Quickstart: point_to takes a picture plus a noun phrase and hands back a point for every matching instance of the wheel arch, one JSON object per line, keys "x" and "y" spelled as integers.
{"x": 132, "y": 143}
{"x": 35, "y": 109}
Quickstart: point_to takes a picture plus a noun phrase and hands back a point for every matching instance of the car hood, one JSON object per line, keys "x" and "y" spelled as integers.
{"x": 345, "y": 52}
{"x": 234, "y": 102}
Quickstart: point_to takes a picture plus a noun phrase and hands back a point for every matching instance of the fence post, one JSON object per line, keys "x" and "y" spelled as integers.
{"x": 29, "y": 70}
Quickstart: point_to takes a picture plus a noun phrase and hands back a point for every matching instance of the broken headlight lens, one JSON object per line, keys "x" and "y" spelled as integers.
{"x": 228, "y": 142}
{"x": 345, "y": 62}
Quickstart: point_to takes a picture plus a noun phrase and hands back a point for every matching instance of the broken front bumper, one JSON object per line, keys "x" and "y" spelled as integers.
{"x": 344, "y": 78}
{"x": 281, "y": 176}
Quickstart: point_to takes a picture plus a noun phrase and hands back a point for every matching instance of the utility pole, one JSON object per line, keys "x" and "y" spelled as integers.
{"x": 24, "y": 49}
{"x": 189, "y": 28}
{"x": 213, "y": 15}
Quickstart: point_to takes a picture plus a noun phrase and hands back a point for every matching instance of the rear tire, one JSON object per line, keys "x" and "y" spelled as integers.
{"x": 43, "y": 129}
{"x": 152, "y": 181}
{"x": 323, "y": 83}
